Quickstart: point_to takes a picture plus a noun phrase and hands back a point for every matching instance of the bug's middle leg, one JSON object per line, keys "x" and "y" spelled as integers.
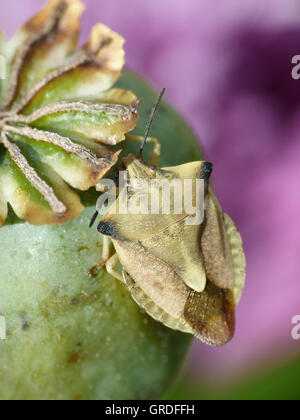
{"x": 110, "y": 265}
{"x": 108, "y": 261}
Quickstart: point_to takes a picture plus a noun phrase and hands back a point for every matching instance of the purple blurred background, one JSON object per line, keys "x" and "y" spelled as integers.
{"x": 227, "y": 68}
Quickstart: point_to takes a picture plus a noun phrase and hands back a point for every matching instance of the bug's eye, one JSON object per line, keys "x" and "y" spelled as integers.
{"x": 207, "y": 170}
{"x": 153, "y": 168}
{"x": 106, "y": 228}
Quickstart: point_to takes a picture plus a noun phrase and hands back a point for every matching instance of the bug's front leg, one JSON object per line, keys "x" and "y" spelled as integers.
{"x": 105, "y": 257}
{"x": 156, "y": 147}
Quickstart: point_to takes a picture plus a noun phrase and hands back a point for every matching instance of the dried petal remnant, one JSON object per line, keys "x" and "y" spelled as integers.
{"x": 56, "y": 121}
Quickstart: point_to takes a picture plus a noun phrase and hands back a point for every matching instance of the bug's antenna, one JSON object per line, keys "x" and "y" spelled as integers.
{"x": 94, "y": 219}
{"x": 150, "y": 121}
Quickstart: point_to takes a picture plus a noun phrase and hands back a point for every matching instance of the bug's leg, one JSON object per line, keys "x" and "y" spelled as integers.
{"x": 105, "y": 257}
{"x": 110, "y": 265}
{"x": 156, "y": 147}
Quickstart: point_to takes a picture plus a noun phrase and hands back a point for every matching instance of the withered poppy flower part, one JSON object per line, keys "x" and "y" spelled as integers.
{"x": 58, "y": 110}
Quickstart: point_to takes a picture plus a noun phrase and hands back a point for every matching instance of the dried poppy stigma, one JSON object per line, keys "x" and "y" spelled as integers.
{"x": 56, "y": 119}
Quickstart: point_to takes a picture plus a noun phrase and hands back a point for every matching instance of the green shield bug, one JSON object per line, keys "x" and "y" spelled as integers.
{"x": 188, "y": 276}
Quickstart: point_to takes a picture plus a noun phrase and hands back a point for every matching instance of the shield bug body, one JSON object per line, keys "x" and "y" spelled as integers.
{"x": 184, "y": 268}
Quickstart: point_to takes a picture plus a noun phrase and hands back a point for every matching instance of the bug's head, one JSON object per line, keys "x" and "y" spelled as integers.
{"x": 136, "y": 168}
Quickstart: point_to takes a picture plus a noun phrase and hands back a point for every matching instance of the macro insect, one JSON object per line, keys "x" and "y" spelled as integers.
{"x": 189, "y": 277}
